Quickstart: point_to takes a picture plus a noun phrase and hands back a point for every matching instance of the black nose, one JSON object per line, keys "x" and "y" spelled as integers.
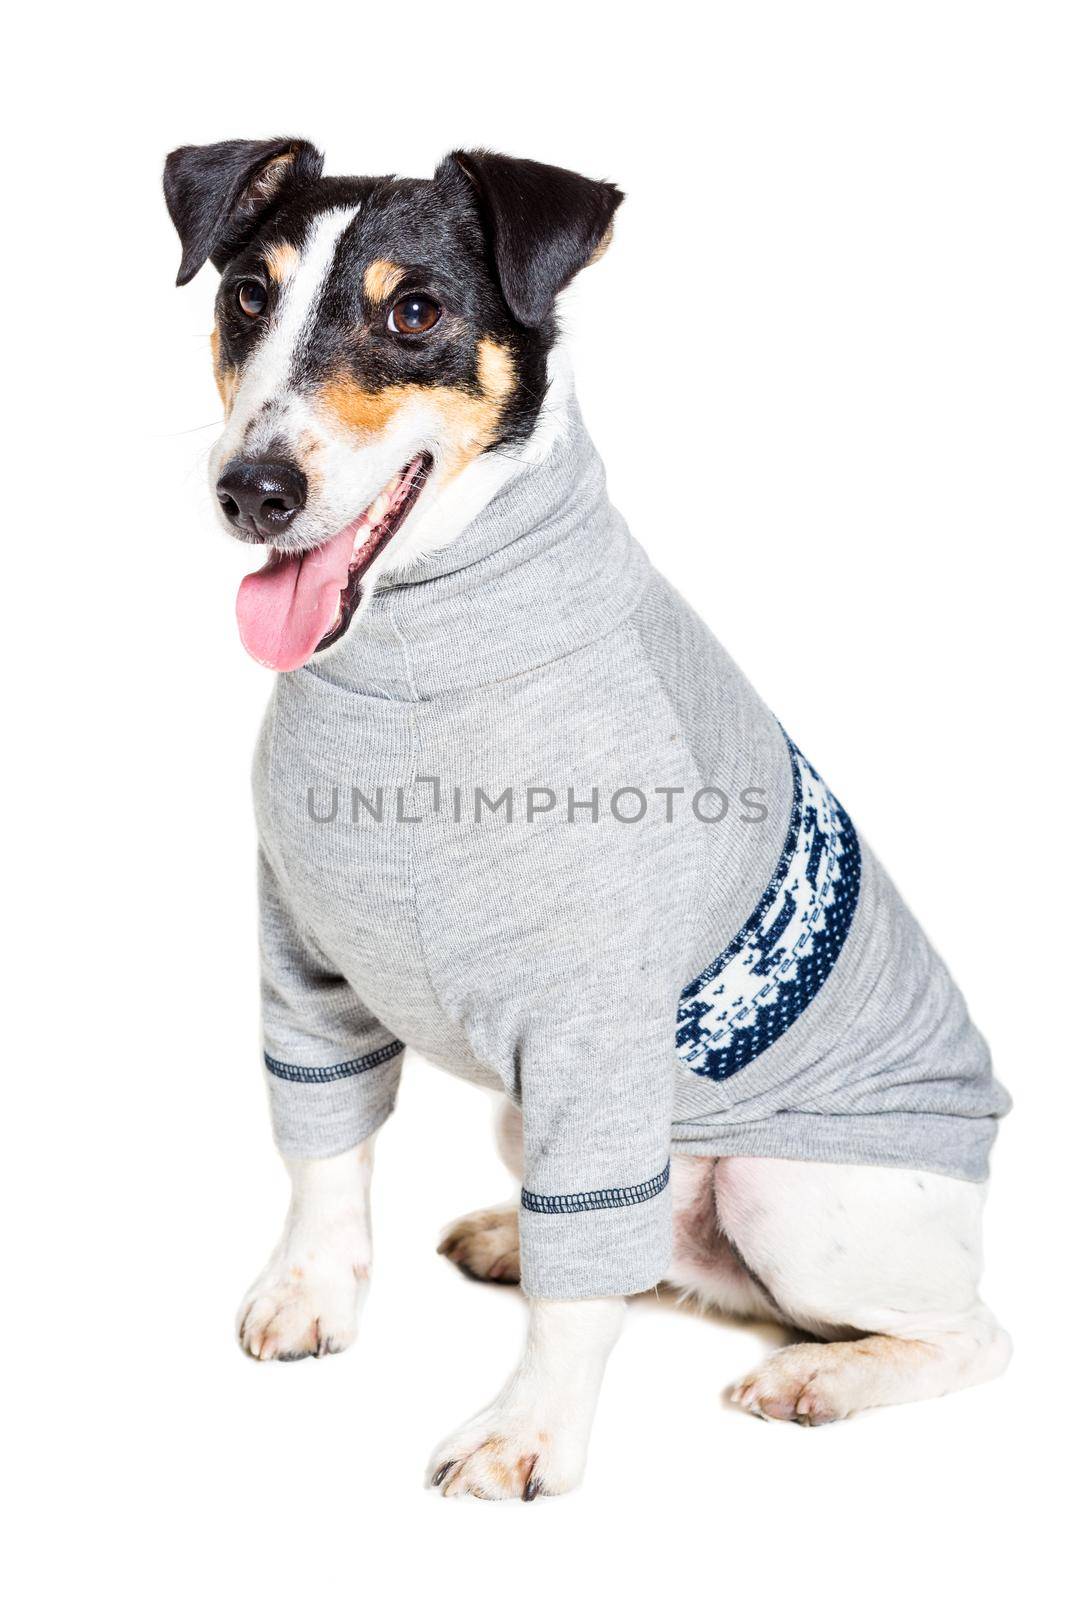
{"x": 261, "y": 497}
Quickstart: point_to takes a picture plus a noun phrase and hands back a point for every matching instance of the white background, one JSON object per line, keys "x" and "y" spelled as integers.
{"x": 824, "y": 361}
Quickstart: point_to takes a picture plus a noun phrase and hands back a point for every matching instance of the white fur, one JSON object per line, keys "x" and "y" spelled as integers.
{"x": 267, "y": 377}
{"x": 880, "y": 1251}
{"x": 308, "y": 1298}
{"x": 535, "y": 1434}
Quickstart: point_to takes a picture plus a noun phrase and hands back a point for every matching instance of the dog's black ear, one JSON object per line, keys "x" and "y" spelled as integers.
{"x": 217, "y": 194}
{"x": 544, "y": 224}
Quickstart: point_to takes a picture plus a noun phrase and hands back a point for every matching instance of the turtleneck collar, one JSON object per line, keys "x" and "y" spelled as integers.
{"x": 547, "y": 566}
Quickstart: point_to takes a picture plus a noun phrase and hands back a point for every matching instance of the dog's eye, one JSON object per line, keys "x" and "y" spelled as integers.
{"x": 251, "y": 298}
{"x": 415, "y": 313}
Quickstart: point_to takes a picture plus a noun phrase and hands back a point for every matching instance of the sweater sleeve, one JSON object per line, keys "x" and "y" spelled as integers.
{"x": 597, "y": 1096}
{"x": 332, "y": 1069}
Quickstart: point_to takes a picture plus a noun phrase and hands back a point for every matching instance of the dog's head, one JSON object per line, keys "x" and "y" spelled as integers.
{"x": 374, "y": 337}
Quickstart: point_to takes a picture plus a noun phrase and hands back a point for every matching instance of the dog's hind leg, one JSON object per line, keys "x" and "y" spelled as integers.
{"x": 704, "y": 1264}
{"x": 881, "y": 1262}
{"x": 485, "y": 1244}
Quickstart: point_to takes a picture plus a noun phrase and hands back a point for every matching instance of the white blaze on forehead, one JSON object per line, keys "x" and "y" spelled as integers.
{"x": 267, "y": 375}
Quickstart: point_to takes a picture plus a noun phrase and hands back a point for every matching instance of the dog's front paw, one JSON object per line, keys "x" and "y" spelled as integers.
{"x": 303, "y": 1304}
{"x": 508, "y": 1456}
{"x": 485, "y": 1245}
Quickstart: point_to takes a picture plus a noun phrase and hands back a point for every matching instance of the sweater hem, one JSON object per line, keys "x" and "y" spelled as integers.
{"x": 955, "y": 1147}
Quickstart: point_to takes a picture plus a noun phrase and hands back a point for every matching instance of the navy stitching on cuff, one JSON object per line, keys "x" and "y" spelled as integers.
{"x": 598, "y": 1199}
{"x": 344, "y": 1069}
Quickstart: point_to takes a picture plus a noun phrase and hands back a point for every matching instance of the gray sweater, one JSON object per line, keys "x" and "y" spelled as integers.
{"x": 528, "y": 817}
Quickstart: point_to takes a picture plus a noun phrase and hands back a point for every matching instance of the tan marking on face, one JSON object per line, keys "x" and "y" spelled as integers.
{"x": 359, "y": 410}
{"x": 466, "y": 424}
{"x": 496, "y": 370}
{"x": 381, "y": 280}
{"x": 225, "y": 377}
{"x": 282, "y": 261}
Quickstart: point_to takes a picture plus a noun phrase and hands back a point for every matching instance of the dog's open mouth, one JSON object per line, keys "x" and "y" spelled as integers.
{"x": 301, "y": 603}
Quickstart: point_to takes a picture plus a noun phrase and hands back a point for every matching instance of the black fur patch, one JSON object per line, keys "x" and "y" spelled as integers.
{"x": 544, "y": 224}
{"x": 211, "y": 193}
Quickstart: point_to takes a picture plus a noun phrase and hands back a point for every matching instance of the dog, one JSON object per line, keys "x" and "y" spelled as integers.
{"x": 519, "y": 810}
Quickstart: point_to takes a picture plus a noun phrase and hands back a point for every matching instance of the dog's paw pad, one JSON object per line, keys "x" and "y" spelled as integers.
{"x": 485, "y": 1245}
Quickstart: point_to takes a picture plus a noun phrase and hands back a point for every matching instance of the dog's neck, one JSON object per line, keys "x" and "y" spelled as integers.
{"x": 543, "y": 566}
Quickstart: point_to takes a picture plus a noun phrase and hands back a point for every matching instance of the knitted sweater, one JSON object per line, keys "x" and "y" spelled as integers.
{"x": 529, "y": 818}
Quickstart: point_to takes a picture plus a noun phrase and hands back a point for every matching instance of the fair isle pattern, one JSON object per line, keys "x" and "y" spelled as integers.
{"x": 751, "y": 993}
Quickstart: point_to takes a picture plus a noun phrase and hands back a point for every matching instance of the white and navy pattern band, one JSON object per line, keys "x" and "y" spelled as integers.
{"x": 776, "y": 964}
{"x": 597, "y": 1199}
{"x": 342, "y": 1069}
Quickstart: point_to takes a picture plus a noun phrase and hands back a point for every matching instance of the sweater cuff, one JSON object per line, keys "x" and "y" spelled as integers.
{"x": 603, "y": 1242}
{"x": 325, "y": 1110}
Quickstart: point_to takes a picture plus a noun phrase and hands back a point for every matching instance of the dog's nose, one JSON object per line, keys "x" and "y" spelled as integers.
{"x": 261, "y": 497}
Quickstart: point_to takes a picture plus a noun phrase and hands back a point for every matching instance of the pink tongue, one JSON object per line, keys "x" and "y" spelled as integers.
{"x": 288, "y": 606}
